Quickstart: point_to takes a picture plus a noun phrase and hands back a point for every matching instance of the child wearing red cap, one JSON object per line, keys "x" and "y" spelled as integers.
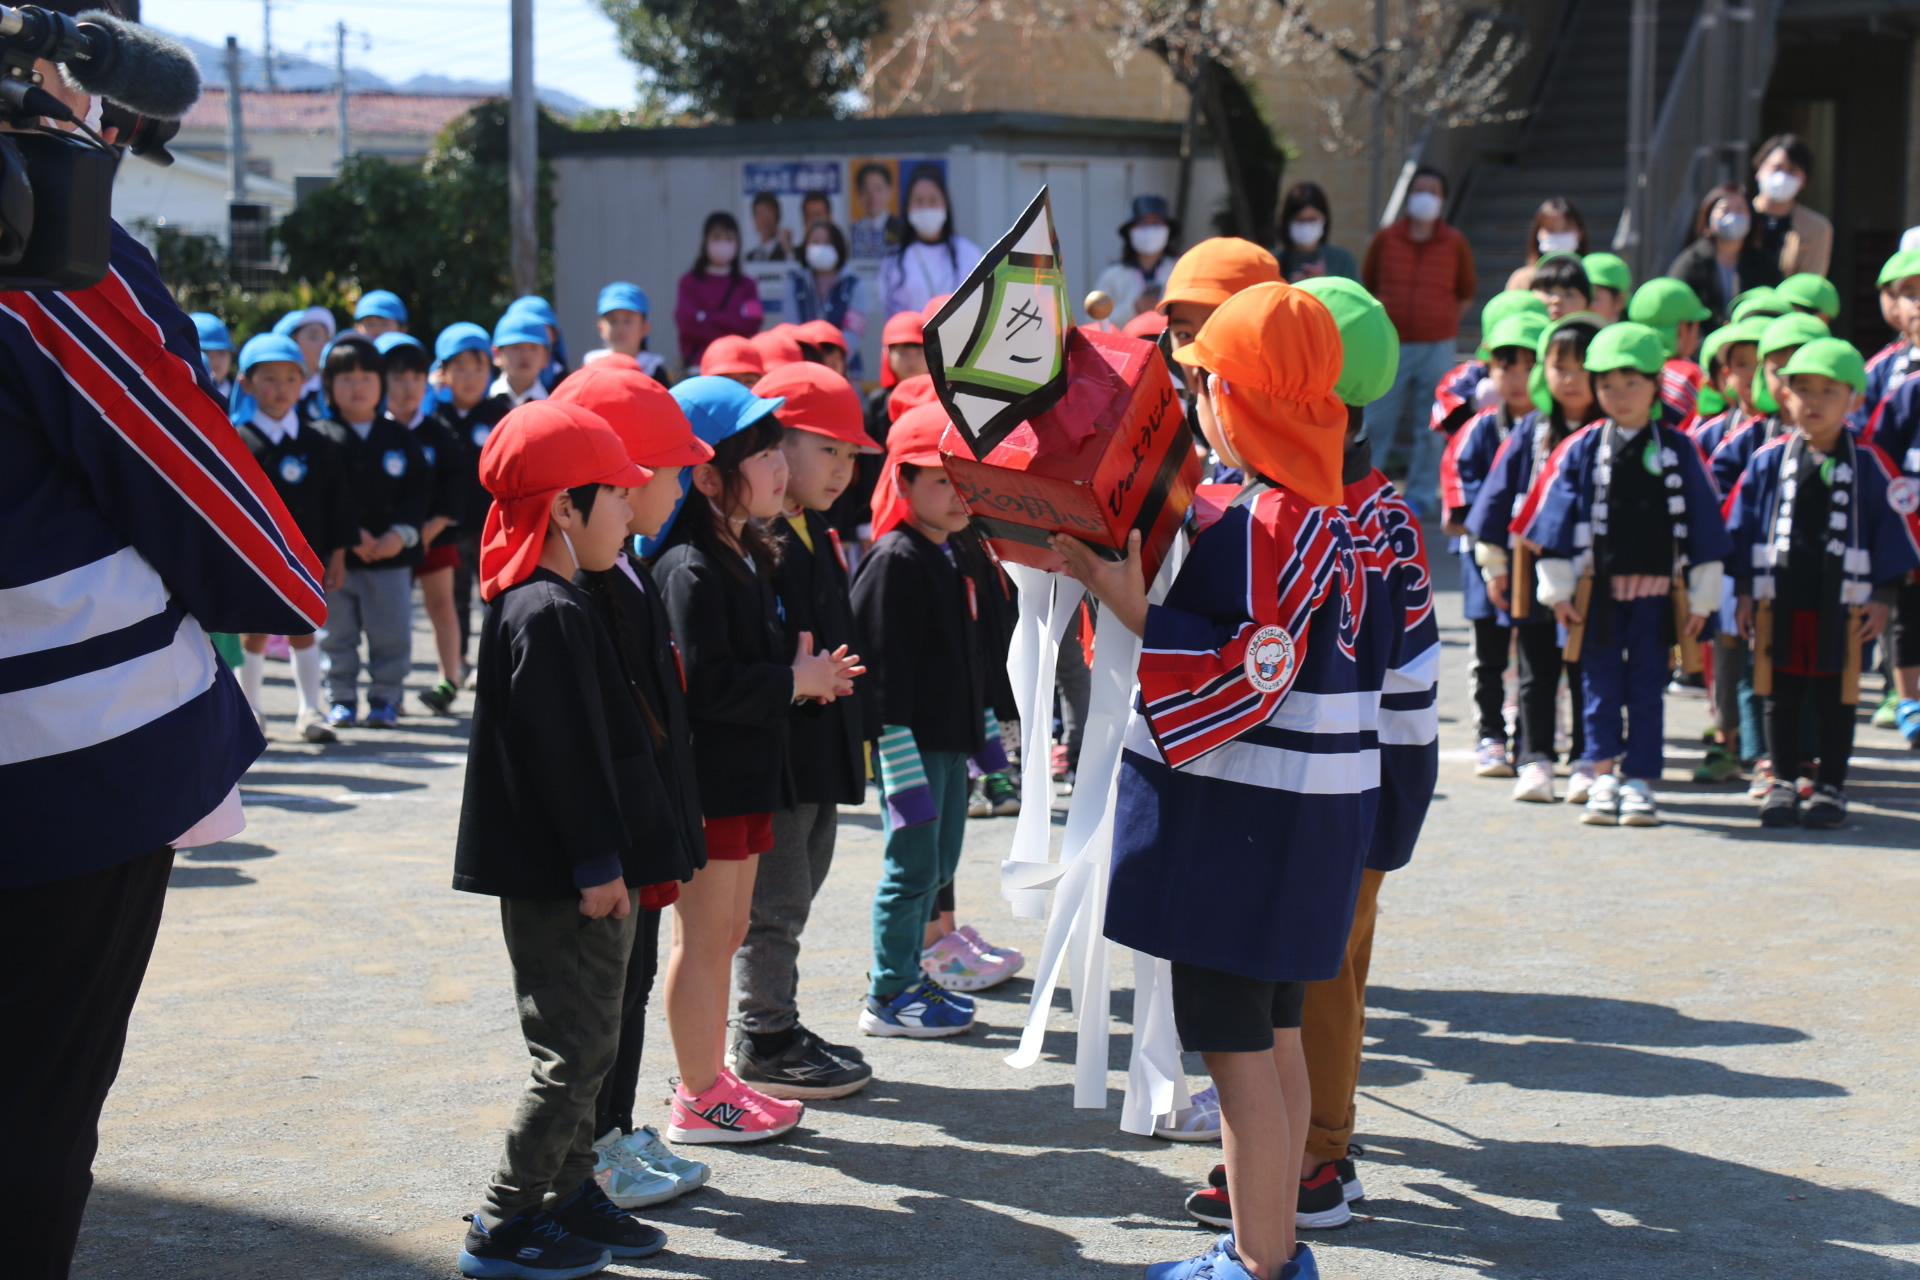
{"x": 550, "y": 825}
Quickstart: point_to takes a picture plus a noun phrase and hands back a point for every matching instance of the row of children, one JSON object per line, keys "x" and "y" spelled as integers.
{"x": 1745, "y": 513}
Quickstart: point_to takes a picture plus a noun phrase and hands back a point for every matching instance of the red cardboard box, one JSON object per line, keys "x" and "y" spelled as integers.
{"x": 1115, "y": 454}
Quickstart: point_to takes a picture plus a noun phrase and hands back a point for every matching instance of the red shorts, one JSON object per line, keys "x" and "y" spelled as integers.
{"x": 656, "y": 897}
{"x": 1803, "y": 646}
{"x": 444, "y": 556}
{"x": 737, "y": 839}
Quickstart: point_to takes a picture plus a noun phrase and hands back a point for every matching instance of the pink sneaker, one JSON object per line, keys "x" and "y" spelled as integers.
{"x": 955, "y": 964}
{"x": 729, "y": 1112}
{"x": 785, "y": 1108}
{"x": 1006, "y": 955}
{"x": 278, "y": 649}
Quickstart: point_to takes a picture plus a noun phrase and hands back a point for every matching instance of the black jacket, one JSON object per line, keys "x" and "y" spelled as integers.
{"x": 447, "y": 463}
{"x": 1699, "y": 267}
{"x": 829, "y": 763}
{"x": 999, "y": 615}
{"x": 925, "y": 668}
{"x": 561, "y": 787}
{"x": 471, "y": 429}
{"x": 636, "y": 618}
{"x": 307, "y": 473}
{"x": 739, "y": 679}
{"x": 391, "y": 482}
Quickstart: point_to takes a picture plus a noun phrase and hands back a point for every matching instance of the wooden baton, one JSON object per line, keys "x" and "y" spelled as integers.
{"x": 1763, "y": 648}
{"x": 1520, "y": 581}
{"x": 1691, "y": 660}
{"x": 1582, "y": 597}
{"x": 1850, "y": 662}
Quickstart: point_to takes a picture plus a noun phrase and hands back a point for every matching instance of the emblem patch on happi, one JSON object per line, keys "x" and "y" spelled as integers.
{"x": 1269, "y": 659}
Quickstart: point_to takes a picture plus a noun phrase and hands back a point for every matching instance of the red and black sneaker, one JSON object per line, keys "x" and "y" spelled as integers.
{"x": 1209, "y": 1204}
{"x": 1323, "y": 1204}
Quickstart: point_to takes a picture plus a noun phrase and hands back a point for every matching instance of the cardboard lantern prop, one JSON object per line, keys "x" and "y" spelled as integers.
{"x": 1055, "y": 429}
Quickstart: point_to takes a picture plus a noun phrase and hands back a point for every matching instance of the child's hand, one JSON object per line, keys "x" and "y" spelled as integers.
{"x": 606, "y": 899}
{"x": 1743, "y": 616}
{"x": 1874, "y": 621}
{"x": 1566, "y": 615}
{"x": 1497, "y": 591}
{"x": 1695, "y": 622}
{"x": 1118, "y": 585}
{"x": 364, "y": 549}
{"x": 388, "y": 545}
{"x": 336, "y": 573}
{"x": 849, "y": 665}
{"x": 823, "y": 675}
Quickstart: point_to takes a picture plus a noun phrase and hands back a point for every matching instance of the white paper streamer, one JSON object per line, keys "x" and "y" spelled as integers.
{"x": 1047, "y": 605}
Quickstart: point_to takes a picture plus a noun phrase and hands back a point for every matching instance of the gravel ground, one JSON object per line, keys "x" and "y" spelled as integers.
{"x": 1591, "y": 1053}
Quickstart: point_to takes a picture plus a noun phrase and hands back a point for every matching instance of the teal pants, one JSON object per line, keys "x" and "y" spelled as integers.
{"x": 918, "y": 861}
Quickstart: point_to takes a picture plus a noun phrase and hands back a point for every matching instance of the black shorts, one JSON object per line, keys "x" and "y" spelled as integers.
{"x": 1219, "y": 1012}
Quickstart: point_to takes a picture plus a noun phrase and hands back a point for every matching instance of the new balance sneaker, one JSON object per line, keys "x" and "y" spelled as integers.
{"x": 728, "y": 1111}
{"x": 1001, "y": 794}
{"x": 1603, "y": 802}
{"x": 1010, "y": 956}
{"x": 1906, "y": 718}
{"x": 645, "y": 1145}
{"x": 1198, "y": 1121}
{"x": 922, "y": 1012}
{"x": 1323, "y": 1202}
{"x": 1535, "y": 783}
{"x": 1580, "y": 781}
{"x": 1760, "y": 782}
{"x": 1637, "y": 807}
{"x": 1827, "y": 809}
{"x": 312, "y": 727}
{"x": 591, "y": 1216}
{"x": 532, "y": 1246}
{"x": 806, "y": 1068}
{"x": 382, "y": 715}
{"x": 957, "y": 966}
{"x": 1721, "y": 765}
{"x": 1887, "y": 714}
{"x": 341, "y": 715}
{"x": 438, "y": 699}
{"x": 629, "y": 1181}
{"x": 1491, "y": 761}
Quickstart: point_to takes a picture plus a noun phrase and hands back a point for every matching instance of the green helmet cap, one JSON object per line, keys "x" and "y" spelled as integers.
{"x": 1831, "y": 358}
{"x": 1790, "y": 331}
{"x": 1709, "y": 403}
{"x": 1815, "y": 293}
{"x": 1664, "y": 302}
{"x": 1760, "y": 301}
{"x": 1609, "y": 271}
{"x": 1899, "y": 266}
{"x": 1627, "y": 346}
{"x": 1727, "y": 335}
{"x": 1537, "y": 384}
{"x": 1370, "y": 345}
{"x": 1522, "y": 329}
{"x": 1509, "y": 302}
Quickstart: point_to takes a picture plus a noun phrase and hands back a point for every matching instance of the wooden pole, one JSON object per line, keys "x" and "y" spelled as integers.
{"x": 1577, "y": 633}
{"x": 1520, "y": 581}
{"x": 1850, "y": 663}
{"x": 1763, "y": 648}
{"x": 1691, "y": 660}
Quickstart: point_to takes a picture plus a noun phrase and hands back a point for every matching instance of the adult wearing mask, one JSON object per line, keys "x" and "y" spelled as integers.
{"x": 1146, "y": 259}
{"x": 1421, "y": 269}
{"x": 935, "y": 258}
{"x": 1301, "y": 234}
{"x": 1557, "y": 228}
{"x": 826, "y": 288}
{"x": 715, "y": 298}
{"x": 1725, "y": 257}
{"x": 1793, "y": 238}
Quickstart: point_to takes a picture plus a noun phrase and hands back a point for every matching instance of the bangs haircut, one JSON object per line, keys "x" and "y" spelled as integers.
{"x": 699, "y": 523}
{"x": 352, "y": 353}
{"x": 407, "y": 358}
{"x": 1562, "y": 273}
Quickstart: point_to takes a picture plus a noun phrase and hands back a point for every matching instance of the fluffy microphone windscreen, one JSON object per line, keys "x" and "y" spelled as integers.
{"x": 142, "y": 70}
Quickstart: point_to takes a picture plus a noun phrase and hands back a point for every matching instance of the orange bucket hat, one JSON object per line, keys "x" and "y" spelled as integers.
{"x": 1277, "y": 353}
{"x": 1216, "y": 269}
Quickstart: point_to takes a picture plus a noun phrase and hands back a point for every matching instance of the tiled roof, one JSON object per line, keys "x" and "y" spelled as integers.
{"x": 317, "y": 112}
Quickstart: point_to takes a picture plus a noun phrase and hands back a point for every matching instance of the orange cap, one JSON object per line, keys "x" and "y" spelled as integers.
{"x": 729, "y": 353}
{"x": 914, "y": 440}
{"x": 818, "y": 400}
{"x": 821, "y": 333}
{"x": 1216, "y": 269}
{"x": 1277, "y": 353}
{"x": 644, "y": 414}
{"x": 777, "y": 346}
{"x": 910, "y": 394}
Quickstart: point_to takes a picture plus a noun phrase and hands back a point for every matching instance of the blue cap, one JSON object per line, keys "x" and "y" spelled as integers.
{"x": 716, "y": 408}
{"x": 294, "y": 320}
{"x": 264, "y": 348}
{"x": 464, "y": 335}
{"x": 213, "y": 331}
{"x": 388, "y": 341}
{"x": 621, "y": 296}
{"x": 538, "y": 307}
{"x": 522, "y": 326}
{"x": 381, "y": 302}
{"x": 1148, "y": 206}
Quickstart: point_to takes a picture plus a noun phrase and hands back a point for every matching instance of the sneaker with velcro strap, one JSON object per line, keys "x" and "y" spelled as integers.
{"x": 922, "y": 1012}
{"x": 532, "y": 1246}
{"x": 630, "y": 1182}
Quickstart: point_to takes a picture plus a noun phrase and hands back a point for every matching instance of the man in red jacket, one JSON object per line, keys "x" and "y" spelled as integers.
{"x": 1421, "y": 269}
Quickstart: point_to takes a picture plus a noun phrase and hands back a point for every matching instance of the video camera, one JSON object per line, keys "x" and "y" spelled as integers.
{"x": 56, "y": 185}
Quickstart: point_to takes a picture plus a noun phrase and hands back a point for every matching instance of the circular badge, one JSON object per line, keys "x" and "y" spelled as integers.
{"x": 1903, "y": 495}
{"x": 395, "y": 461}
{"x": 1269, "y": 659}
{"x": 293, "y": 470}
{"x": 480, "y": 434}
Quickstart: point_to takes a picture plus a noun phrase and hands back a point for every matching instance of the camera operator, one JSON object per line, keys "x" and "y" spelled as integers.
{"x": 132, "y": 522}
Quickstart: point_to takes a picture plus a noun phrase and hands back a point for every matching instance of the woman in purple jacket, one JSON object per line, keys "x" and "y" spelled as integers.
{"x": 715, "y": 298}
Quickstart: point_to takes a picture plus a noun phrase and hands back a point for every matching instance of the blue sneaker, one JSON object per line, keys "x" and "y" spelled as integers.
{"x": 1222, "y": 1263}
{"x": 1188, "y": 1268}
{"x": 590, "y": 1216}
{"x": 341, "y": 715}
{"x": 382, "y": 715}
{"x": 530, "y": 1247}
{"x": 646, "y": 1145}
{"x": 1907, "y": 717}
{"x": 923, "y": 1011}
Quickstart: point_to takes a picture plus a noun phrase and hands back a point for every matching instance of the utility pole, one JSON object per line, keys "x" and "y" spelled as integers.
{"x": 1632, "y": 235}
{"x": 523, "y": 156}
{"x": 1377, "y": 142}
{"x": 340, "y": 82}
{"x": 266, "y": 42}
{"x": 236, "y": 125}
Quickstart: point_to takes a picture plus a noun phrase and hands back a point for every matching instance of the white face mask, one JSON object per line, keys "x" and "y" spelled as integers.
{"x": 720, "y": 251}
{"x": 1148, "y": 239}
{"x": 1558, "y": 241}
{"x": 822, "y": 257}
{"x": 927, "y": 222}
{"x": 1306, "y": 232}
{"x": 1732, "y": 226}
{"x": 1778, "y": 184}
{"x": 1423, "y": 206}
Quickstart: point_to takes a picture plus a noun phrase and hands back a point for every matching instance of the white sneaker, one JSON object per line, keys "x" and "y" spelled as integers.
{"x": 1535, "y": 783}
{"x": 628, "y": 1181}
{"x": 1637, "y": 808}
{"x": 1580, "y": 782}
{"x": 1491, "y": 760}
{"x": 1198, "y": 1121}
{"x": 1603, "y": 802}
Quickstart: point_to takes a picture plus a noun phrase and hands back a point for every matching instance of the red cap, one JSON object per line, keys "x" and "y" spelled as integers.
{"x": 904, "y": 329}
{"x": 910, "y": 394}
{"x": 818, "y": 400}
{"x": 932, "y": 309}
{"x": 821, "y": 333}
{"x": 537, "y": 451}
{"x": 730, "y": 354}
{"x": 644, "y": 414}
{"x": 914, "y": 440}
{"x": 1148, "y": 325}
{"x": 777, "y": 346}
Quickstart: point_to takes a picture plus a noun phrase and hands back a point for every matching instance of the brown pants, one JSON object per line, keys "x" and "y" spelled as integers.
{"x": 1332, "y": 1026}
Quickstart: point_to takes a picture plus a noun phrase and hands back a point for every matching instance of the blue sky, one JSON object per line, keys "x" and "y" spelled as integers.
{"x": 574, "y": 44}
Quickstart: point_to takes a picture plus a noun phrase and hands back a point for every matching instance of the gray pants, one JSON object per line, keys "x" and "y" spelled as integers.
{"x": 378, "y": 602}
{"x": 767, "y": 965}
{"x": 569, "y": 974}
